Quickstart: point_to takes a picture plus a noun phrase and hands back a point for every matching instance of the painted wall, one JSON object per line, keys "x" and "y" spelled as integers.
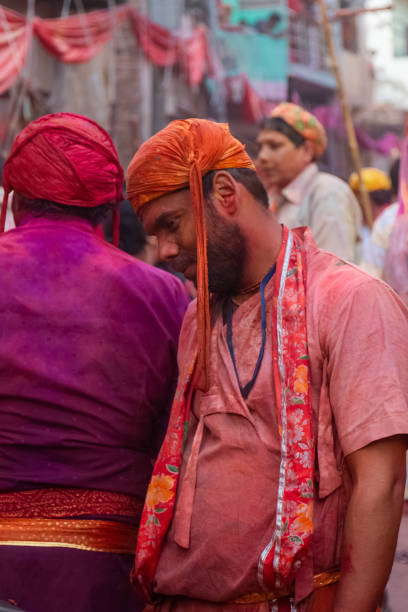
{"x": 391, "y": 71}
{"x": 261, "y": 57}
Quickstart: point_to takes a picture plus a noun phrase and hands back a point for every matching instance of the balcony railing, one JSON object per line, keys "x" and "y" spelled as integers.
{"x": 306, "y": 44}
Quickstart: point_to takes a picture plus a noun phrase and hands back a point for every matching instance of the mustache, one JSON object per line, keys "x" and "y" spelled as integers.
{"x": 183, "y": 260}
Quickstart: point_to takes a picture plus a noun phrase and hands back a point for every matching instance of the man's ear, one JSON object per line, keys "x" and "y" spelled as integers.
{"x": 224, "y": 193}
{"x": 17, "y": 208}
{"x": 309, "y": 149}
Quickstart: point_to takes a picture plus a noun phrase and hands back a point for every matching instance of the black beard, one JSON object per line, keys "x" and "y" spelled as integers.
{"x": 226, "y": 253}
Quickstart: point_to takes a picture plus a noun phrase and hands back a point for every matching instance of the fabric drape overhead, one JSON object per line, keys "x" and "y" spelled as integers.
{"x": 159, "y": 44}
{"x": 14, "y": 41}
{"x": 78, "y": 38}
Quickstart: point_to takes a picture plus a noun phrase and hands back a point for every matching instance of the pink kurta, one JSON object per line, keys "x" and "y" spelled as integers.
{"x": 225, "y": 511}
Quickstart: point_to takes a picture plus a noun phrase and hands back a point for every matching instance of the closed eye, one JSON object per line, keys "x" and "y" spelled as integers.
{"x": 274, "y": 145}
{"x": 167, "y": 222}
{"x": 172, "y": 225}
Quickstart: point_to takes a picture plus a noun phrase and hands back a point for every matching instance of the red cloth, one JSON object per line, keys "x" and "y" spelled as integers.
{"x": 67, "y": 159}
{"x": 78, "y": 38}
{"x": 159, "y": 44}
{"x": 195, "y": 56}
{"x": 296, "y": 6}
{"x": 254, "y": 108}
{"x": 14, "y": 38}
{"x": 164, "y": 48}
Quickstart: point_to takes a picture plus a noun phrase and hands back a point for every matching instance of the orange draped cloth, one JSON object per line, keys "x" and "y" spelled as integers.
{"x": 178, "y": 157}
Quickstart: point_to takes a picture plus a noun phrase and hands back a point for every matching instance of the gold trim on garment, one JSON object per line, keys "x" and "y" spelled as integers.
{"x": 319, "y": 580}
{"x": 81, "y": 534}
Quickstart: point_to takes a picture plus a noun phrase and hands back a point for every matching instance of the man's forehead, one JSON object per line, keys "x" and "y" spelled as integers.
{"x": 269, "y": 135}
{"x": 166, "y": 204}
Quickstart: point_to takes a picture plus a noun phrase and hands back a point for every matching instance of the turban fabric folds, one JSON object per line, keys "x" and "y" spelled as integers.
{"x": 164, "y": 162}
{"x": 64, "y": 158}
{"x": 306, "y": 124}
{"x": 178, "y": 157}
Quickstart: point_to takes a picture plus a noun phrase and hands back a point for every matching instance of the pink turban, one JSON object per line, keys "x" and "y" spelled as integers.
{"x": 63, "y": 158}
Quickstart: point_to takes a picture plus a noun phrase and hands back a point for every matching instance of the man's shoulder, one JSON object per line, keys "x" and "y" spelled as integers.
{"x": 340, "y": 297}
{"x": 326, "y": 182}
{"x": 188, "y": 337}
{"x": 142, "y": 275}
{"x": 387, "y": 217}
{"x": 330, "y": 278}
{"x": 330, "y": 195}
{"x": 99, "y": 260}
{"x": 331, "y": 179}
{"x": 190, "y": 319}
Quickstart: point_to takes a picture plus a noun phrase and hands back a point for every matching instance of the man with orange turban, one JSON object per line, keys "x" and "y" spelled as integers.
{"x": 87, "y": 375}
{"x": 276, "y": 446}
{"x": 290, "y": 141}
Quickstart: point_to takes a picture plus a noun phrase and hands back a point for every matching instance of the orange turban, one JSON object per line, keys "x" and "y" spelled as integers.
{"x": 306, "y": 124}
{"x": 164, "y": 163}
{"x": 179, "y": 156}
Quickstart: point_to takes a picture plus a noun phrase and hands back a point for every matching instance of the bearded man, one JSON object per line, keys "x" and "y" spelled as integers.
{"x": 283, "y": 467}
{"x": 290, "y": 141}
{"x": 87, "y": 375}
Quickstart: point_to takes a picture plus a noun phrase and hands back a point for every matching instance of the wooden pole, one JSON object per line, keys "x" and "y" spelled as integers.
{"x": 348, "y": 121}
{"x": 361, "y": 11}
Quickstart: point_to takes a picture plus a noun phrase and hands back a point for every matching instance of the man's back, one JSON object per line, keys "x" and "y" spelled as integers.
{"x": 87, "y": 365}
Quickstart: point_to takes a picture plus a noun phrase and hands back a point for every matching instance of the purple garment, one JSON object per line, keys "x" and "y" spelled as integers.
{"x": 88, "y": 343}
{"x": 43, "y": 579}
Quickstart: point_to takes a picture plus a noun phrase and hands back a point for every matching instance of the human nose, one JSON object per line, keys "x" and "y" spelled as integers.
{"x": 167, "y": 249}
{"x": 263, "y": 155}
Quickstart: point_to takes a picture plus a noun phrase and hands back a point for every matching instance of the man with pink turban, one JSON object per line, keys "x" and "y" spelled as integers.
{"x": 290, "y": 141}
{"x": 87, "y": 375}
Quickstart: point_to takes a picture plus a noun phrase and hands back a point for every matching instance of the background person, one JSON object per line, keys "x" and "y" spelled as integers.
{"x": 291, "y": 140}
{"x": 379, "y": 190}
{"x": 378, "y": 241}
